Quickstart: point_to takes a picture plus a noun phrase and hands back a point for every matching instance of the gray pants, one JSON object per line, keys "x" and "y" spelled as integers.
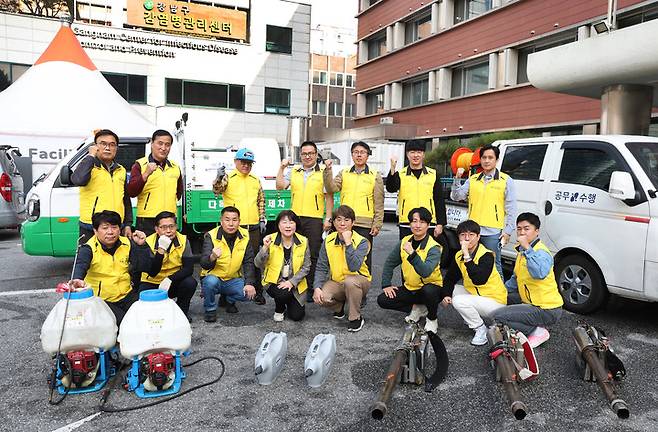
{"x": 526, "y": 317}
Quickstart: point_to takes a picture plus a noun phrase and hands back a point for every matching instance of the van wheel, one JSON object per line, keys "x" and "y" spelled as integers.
{"x": 581, "y": 284}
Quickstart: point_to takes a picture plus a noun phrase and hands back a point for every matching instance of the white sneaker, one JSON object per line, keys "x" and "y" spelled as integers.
{"x": 480, "y": 337}
{"x": 278, "y": 317}
{"x": 538, "y": 337}
{"x": 432, "y": 325}
{"x": 417, "y": 312}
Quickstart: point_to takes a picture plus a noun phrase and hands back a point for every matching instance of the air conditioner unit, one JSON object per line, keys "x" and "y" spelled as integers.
{"x": 386, "y": 120}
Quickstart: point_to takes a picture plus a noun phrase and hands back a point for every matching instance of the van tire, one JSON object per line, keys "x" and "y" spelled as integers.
{"x": 580, "y": 283}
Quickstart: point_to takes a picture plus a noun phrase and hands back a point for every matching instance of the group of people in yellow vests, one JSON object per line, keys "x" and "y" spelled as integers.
{"x": 317, "y": 253}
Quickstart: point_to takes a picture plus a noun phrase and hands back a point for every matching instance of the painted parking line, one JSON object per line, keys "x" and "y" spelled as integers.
{"x": 23, "y": 292}
{"x": 642, "y": 338}
{"x": 75, "y": 425}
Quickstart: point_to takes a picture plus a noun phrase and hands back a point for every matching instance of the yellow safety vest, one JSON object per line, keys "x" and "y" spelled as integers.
{"x": 336, "y": 256}
{"x": 229, "y": 264}
{"x": 104, "y": 191}
{"x": 416, "y": 192}
{"x": 307, "y": 198}
{"x": 412, "y": 280}
{"x": 542, "y": 293}
{"x": 275, "y": 259}
{"x": 242, "y": 193}
{"x": 108, "y": 274}
{"x": 494, "y": 287}
{"x": 358, "y": 191}
{"x": 172, "y": 260}
{"x": 486, "y": 203}
{"x": 159, "y": 193}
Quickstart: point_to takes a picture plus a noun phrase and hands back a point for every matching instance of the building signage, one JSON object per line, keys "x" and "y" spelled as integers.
{"x": 192, "y": 18}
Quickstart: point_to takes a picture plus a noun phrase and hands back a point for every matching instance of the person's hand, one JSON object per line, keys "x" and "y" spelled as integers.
{"x": 139, "y": 237}
{"x": 391, "y": 291}
{"x": 460, "y": 172}
{"x": 285, "y": 163}
{"x": 446, "y": 301}
{"x": 127, "y": 231}
{"x": 150, "y": 167}
{"x": 93, "y": 150}
{"x": 408, "y": 248}
{"x": 216, "y": 253}
{"x": 318, "y": 297}
{"x": 286, "y": 285}
{"x": 249, "y": 291}
{"x": 328, "y": 163}
{"x": 347, "y": 237}
{"x": 221, "y": 172}
{"x": 326, "y": 226}
{"x": 438, "y": 230}
{"x": 504, "y": 239}
{"x": 374, "y": 231}
{"x": 266, "y": 242}
{"x": 523, "y": 241}
{"x": 164, "y": 242}
{"x": 77, "y": 283}
{"x": 262, "y": 225}
{"x": 394, "y": 162}
{"x": 464, "y": 246}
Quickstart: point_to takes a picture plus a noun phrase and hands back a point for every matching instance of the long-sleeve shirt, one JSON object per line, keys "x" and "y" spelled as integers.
{"x": 354, "y": 258}
{"x": 478, "y": 273}
{"x": 459, "y": 192}
{"x": 138, "y": 258}
{"x": 539, "y": 263}
{"x": 220, "y": 185}
{"x": 187, "y": 267}
{"x": 423, "y": 268}
{"x": 393, "y": 185}
{"x": 264, "y": 254}
{"x": 136, "y": 182}
{"x": 248, "y": 270}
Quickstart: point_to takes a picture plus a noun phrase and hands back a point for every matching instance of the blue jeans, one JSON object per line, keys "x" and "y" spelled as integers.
{"x": 211, "y": 285}
{"x": 492, "y": 242}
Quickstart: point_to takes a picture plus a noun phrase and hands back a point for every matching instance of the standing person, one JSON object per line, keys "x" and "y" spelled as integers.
{"x": 532, "y": 285}
{"x": 484, "y": 291}
{"x": 172, "y": 263}
{"x": 342, "y": 274}
{"x": 242, "y": 189}
{"x": 491, "y": 201}
{"x": 227, "y": 265}
{"x": 418, "y": 256}
{"x": 156, "y": 181}
{"x": 417, "y": 186}
{"x": 310, "y": 201}
{"x": 285, "y": 261}
{"x": 362, "y": 189}
{"x": 102, "y": 184}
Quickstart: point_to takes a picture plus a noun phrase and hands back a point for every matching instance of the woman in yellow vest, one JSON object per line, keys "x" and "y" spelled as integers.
{"x": 342, "y": 275}
{"x": 284, "y": 261}
{"x": 484, "y": 291}
{"x": 419, "y": 256}
{"x": 532, "y": 285}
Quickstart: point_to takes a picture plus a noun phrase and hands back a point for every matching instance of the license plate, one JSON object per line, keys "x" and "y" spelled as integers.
{"x": 455, "y": 215}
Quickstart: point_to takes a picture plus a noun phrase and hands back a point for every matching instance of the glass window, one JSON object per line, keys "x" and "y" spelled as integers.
{"x": 646, "y": 155}
{"x": 212, "y": 95}
{"x": 647, "y": 13}
{"x": 374, "y": 103}
{"x": 336, "y": 79}
{"x": 319, "y": 107}
{"x": 470, "y": 79}
{"x": 131, "y": 87}
{"x": 279, "y": 39}
{"x": 277, "y": 101}
{"x": 319, "y": 77}
{"x": 467, "y": 9}
{"x": 418, "y": 28}
{"x": 376, "y": 47}
{"x": 236, "y": 97}
{"x": 350, "y": 110}
{"x": 524, "y": 162}
{"x": 335, "y": 109}
{"x": 10, "y": 72}
{"x": 589, "y": 167}
{"x": 174, "y": 92}
{"x": 414, "y": 93}
{"x": 349, "y": 80}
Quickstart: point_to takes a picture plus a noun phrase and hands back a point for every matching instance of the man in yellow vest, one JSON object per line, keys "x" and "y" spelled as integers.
{"x": 156, "y": 181}
{"x": 102, "y": 184}
{"x": 417, "y": 186}
{"x": 106, "y": 260}
{"x": 310, "y": 200}
{"x": 418, "y": 256}
{"x": 227, "y": 265}
{"x": 532, "y": 285}
{"x": 491, "y": 201}
{"x": 242, "y": 189}
{"x": 172, "y": 262}
{"x": 342, "y": 274}
{"x": 484, "y": 291}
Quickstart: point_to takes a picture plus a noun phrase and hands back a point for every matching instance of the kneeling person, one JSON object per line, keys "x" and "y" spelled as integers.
{"x": 172, "y": 263}
{"x": 227, "y": 265}
{"x": 285, "y": 260}
{"x": 419, "y": 256}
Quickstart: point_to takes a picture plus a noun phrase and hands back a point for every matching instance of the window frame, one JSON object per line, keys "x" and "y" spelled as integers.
{"x": 321, "y": 74}
{"x": 462, "y": 70}
{"x": 275, "y": 47}
{"x": 380, "y": 39}
{"x": 278, "y": 109}
{"x": 509, "y": 150}
{"x": 315, "y": 105}
{"x": 377, "y": 94}
{"x": 333, "y": 105}
{"x": 411, "y": 27}
{"x": 424, "y": 84}
{"x": 10, "y": 77}
{"x": 128, "y": 79}
{"x": 183, "y": 104}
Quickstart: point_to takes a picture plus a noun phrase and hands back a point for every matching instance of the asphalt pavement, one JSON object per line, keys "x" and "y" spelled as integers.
{"x": 469, "y": 399}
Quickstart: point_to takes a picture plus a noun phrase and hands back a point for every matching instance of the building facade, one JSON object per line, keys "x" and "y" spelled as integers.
{"x": 457, "y": 68}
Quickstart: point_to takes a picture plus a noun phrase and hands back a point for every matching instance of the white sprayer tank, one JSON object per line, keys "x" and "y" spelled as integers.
{"x": 155, "y": 323}
{"x": 90, "y": 324}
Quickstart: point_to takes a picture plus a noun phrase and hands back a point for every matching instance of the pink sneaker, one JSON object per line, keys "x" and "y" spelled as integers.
{"x": 538, "y": 337}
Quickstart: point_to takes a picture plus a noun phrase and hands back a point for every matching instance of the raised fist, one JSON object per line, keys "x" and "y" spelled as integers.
{"x": 164, "y": 242}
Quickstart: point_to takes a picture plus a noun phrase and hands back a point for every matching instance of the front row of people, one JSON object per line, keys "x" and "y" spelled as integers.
{"x": 342, "y": 278}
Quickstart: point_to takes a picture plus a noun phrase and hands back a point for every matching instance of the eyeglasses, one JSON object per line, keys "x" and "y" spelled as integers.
{"x": 106, "y": 144}
{"x": 168, "y": 227}
{"x": 308, "y": 154}
{"x": 341, "y": 219}
{"x": 360, "y": 152}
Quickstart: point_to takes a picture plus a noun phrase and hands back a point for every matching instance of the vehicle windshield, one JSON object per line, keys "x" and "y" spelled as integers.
{"x": 646, "y": 154}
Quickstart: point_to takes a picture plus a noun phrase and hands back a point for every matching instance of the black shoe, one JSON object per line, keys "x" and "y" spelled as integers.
{"x": 355, "y": 325}
{"x": 222, "y": 301}
{"x": 210, "y": 316}
{"x": 258, "y": 299}
{"x": 341, "y": 313}
{"x": 231, "y": 308}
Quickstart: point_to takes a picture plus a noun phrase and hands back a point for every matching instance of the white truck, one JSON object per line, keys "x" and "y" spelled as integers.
{"x": 596, "y": 197}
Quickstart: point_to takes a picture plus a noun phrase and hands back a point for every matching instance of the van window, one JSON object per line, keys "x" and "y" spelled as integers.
{"x": 646, "y": 155}
{"x": 524, "y": 162}
{"x": 590, "y": 167}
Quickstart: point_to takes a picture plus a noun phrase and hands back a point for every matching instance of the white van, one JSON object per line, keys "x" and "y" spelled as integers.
{"x": 596, "y": 197}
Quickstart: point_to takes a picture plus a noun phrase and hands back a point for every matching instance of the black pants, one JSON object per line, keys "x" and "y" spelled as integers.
{"x": 285, "y": 301}
{"x": 365, "y": 232}
{"x": 429, "y": 295}
{"x": 182, "y": 291}
{"x": 119, "y": 308}
{"x": 254, "y": 244}
{"x": 145, "y": 225}
{"x": 312, "y": 229}
{"x": 445, "y": 255}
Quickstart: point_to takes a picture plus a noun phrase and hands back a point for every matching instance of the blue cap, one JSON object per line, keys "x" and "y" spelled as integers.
{"x": 245, "y": 154}
{"x": 153, "y": 295}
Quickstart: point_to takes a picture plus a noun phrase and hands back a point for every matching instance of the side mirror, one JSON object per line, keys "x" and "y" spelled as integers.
{"x": 621, "y": 186}
{"x": 65, "y": 176}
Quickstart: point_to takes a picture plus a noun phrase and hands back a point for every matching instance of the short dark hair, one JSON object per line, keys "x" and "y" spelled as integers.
{"x": 468, "y": 226}
{"x": 230, "y": 209}
{"x": 495, "y": 149}
{"x": 344, "y": 211}
{"x": 310, "y": 144}
{"x": 423, "y": 214}
{"x": 531, "y": 218}
{"x": 415, "y": 144}
{"x": 164, "y": 215}
{"x": 360, "y": 144}
{"x": 104, "y": 132}
{"x": 108, "y": 216}
{"x": 291, "y": 215}
{"x": 161, "y": 132}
